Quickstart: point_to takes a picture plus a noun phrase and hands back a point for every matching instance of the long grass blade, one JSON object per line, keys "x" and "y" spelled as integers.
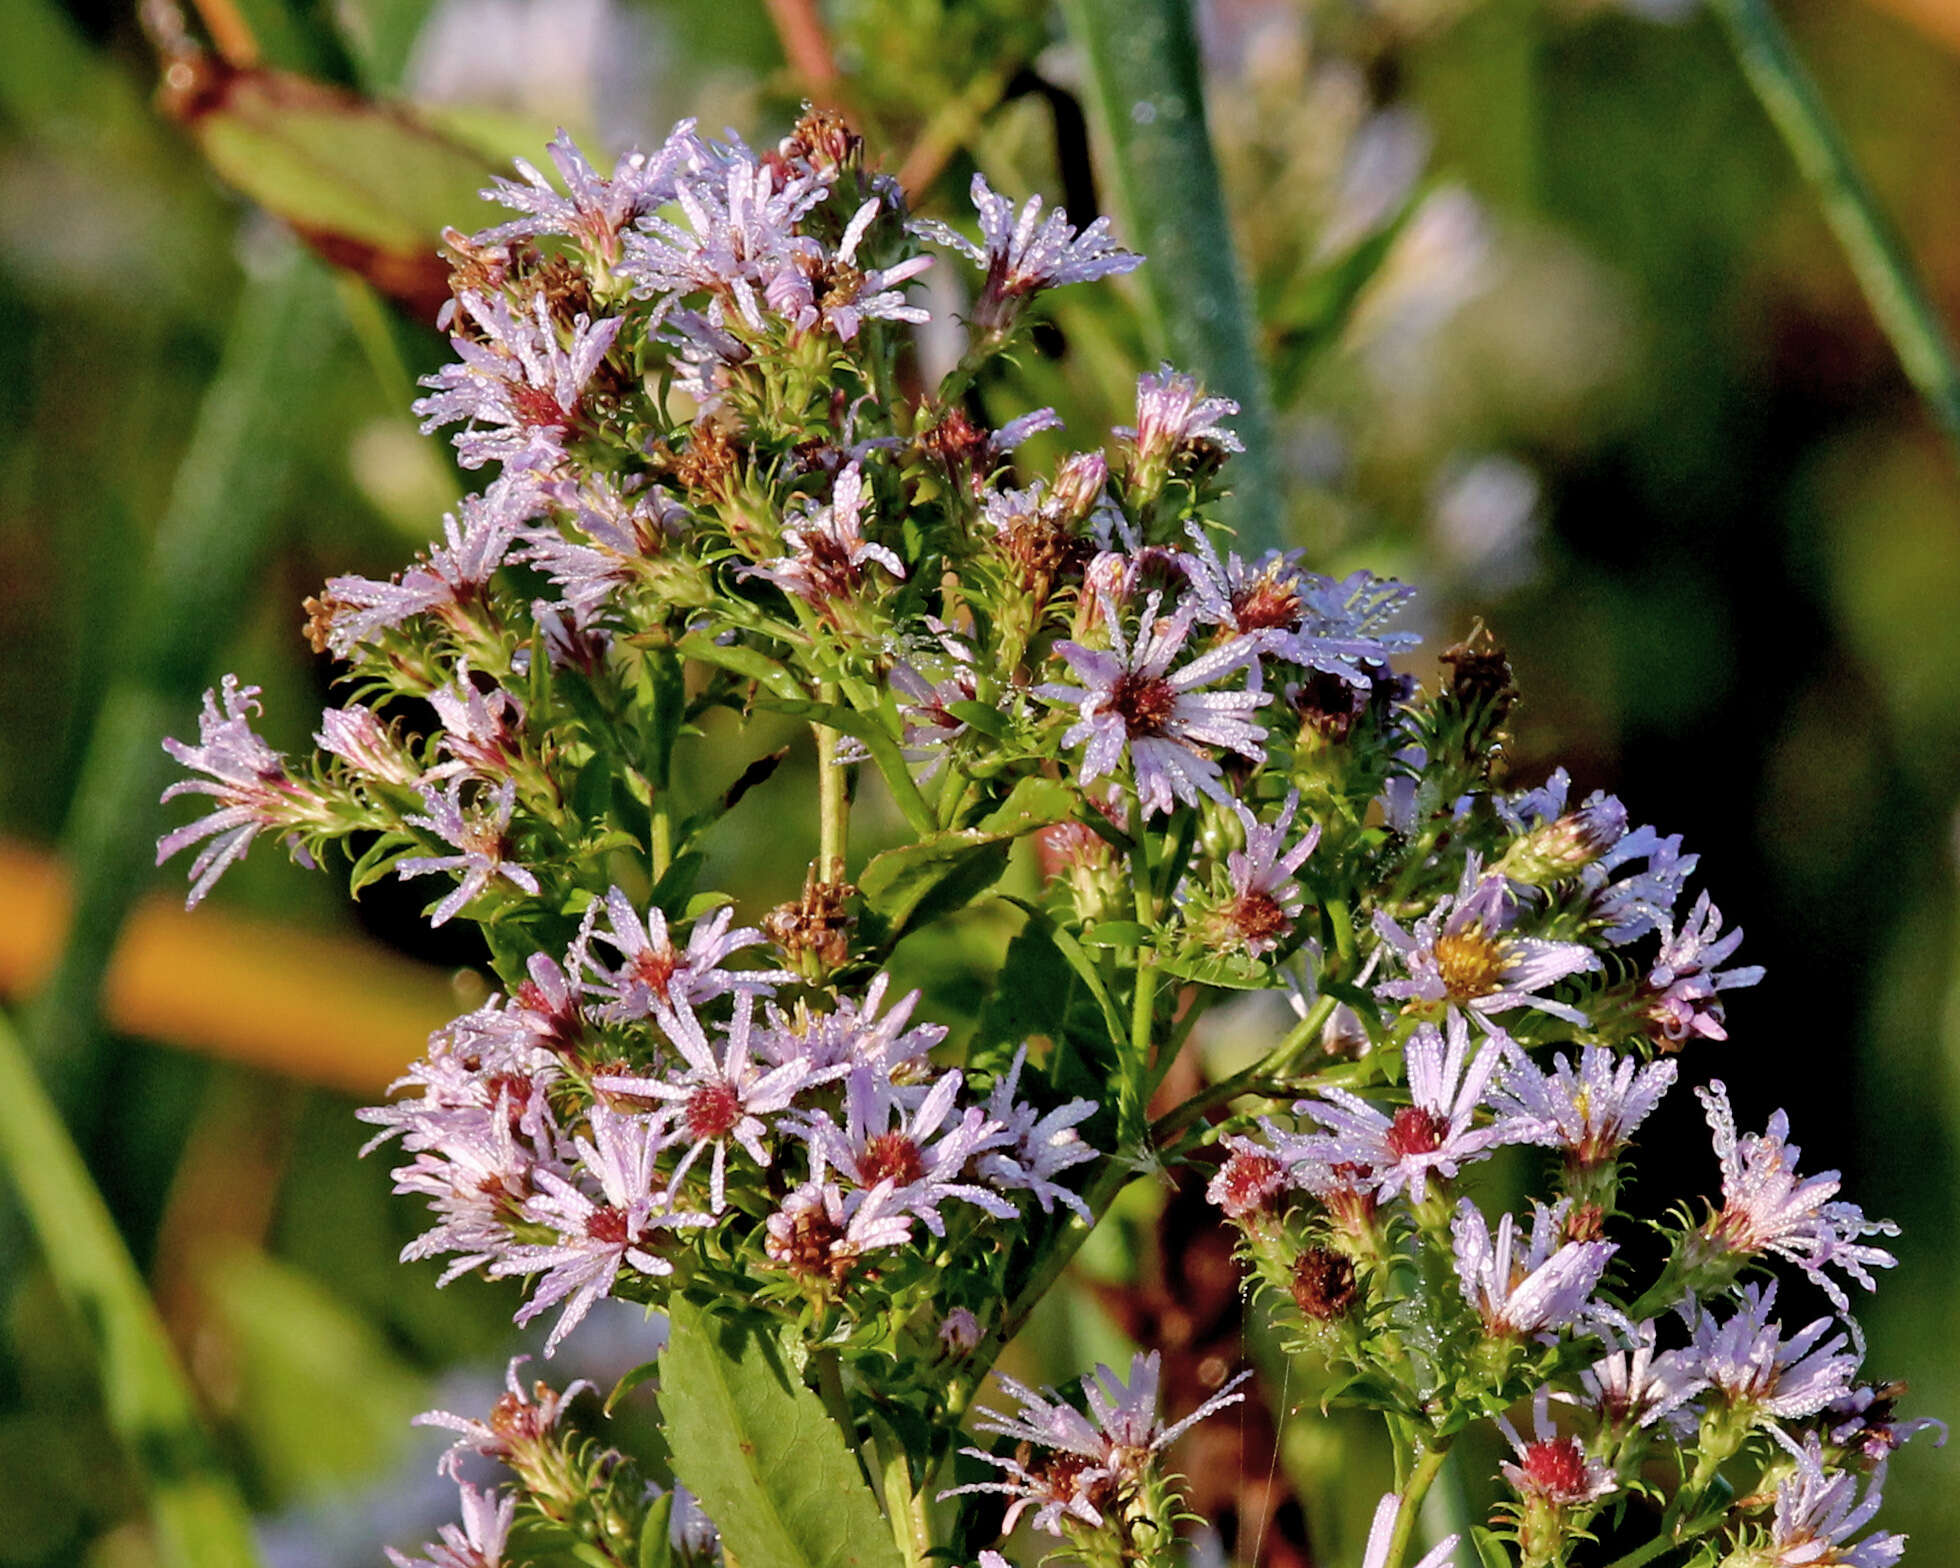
{"x": 1148, "y": 99}
{"x": 200, "y": 1519}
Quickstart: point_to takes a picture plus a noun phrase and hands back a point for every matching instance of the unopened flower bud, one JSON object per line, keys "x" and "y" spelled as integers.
{"x": 1079, "y": 485}
{"x": 1556, "y": 850}
{"x": 959, "y": 1332}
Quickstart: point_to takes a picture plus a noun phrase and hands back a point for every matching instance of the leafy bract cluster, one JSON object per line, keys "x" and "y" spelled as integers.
{"x": 721, "y": 486}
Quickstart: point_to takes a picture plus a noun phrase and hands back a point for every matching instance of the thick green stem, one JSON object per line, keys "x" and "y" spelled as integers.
{"x": 1428, "y": 1464}
{"x": 1147, "y": 98}
{"x": 1885, "y": 272}
{"x": 833, "y": 810}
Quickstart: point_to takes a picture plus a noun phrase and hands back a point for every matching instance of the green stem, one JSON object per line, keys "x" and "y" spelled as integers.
{"x": 200, "y": 1518}
{"x": 833, "y": 811}
{"x": 1641, "y": 1555}
{"x": 1429, "y": 1462}
{"x": 1147, "y": 99}
{"x": 1884, "y": 270}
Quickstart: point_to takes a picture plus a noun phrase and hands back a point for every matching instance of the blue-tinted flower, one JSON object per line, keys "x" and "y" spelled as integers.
{"x": 828, "y": 550}
{"x": 815, "y": 288}
{"x": 1265, "y": 898}
{"x": 1748, "y": 1361}
{"x": 653, "y": 971}
{"x": 853, "y": 1034}
{"x": 1038, "y": 1145}
{"x": 477, "y": 1543}
{"x": 1683, "y": 985}
{"x": 1381, "y": 1536}
{"x": 1551, "y": 1468}
{"x": 821, "y": 1230}
{"x": 1522, "y": 1291}
{"x": 1175, "y": 419}
{"x": 594, "y": 211}
{"x": 525, "y": 1421}
{"x": 1817, "y": 1513}
{"x": 1025, "y": 254}
{"x": 1130, "y": 699}
{"x": 1631, "y": 1387}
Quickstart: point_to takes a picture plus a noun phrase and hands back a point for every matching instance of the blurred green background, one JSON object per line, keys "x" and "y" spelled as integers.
{"x": 1555, "y": 332}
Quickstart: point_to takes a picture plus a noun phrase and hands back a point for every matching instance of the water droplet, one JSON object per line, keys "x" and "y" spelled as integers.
{"x": 1143, "y": 112}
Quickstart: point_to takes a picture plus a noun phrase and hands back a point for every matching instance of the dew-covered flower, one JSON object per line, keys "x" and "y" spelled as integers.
{"x": 1250, "y": 1181}
{"x": 1462, "y": 955}
{"x": 367, "y": 746}
{"x": 1437, "y": 1133}
{"x": 522, "y": 1422}
{"x": 1767, "y": 1207}
{"x": 248, "y": 780}
{"x": 1590, "y": 1113}
{"x": 892, "y": 1135}
{"x": 477, "y": 1543}
{"x": 1632, "y": 1386}
{"x": 1038, "y": 1145}
{"x": 597, "y": 1235}
{"x": 1749, "y": 1362}
{"x": 1022, "y": 255}
{"x": 482, "y": 732}
{"x": 853, "y": 1034}
{"x": 1131, "y": 699}
{"x": 615, "y": 534}
{"x": 1682, "y": 986}
{"x": 722, "y": 1096}
{"x": 815, "y": 288}
{"x": 517, "y": 389}
{"x": 1265, "y": 899}
{"x": 653, "y": 971}
{"x": 594, "y": 211}
{"x": 1175, "y": 418}
{"x": 1553, "y": 842}
{"x": 1381, "y": 1536}
{"x": 1817, "y": 1513}
{"x": 1520, "y": 1291}
{"x": 479, "y": 832}
{"x": 1552, "y": 1468}
{"x": 828, "y": 550}
{"x": 1078, "y": 1464}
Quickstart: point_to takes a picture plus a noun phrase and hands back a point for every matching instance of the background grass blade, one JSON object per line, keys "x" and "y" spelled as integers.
{"x": 200, "y": 1519}
{"x": 1884, "y": 270}
{"x": 226, "y": 498}
{"x": 1148, "y": 100}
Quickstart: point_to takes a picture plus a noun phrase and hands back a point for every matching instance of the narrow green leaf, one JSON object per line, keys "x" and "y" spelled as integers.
{"x": 907, "y": 887}
{"x": 1032, "y": 803}
{"x": 738, "y": 660}
{"x": 984, "y": 717}
{"x": 642, "y": 1374}
{"x": 1148, "y": 102}
{"x": 656, "y": 1549}
{"x": 200, "y": 1518}
{"x": 1116, "y": 933}
{"x": 770, "y": 1467}
{"x": 1084, "y": 967}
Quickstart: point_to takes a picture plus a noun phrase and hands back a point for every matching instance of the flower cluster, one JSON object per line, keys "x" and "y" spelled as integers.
{"x": 719, "y": 482}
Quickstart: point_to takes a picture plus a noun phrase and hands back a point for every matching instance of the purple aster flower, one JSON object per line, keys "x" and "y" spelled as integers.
{"x": 1080, "y": 1464}
{"x": 1759, "y": 1372}
{"x": 1437, "y": 1133}
{"x": 1175, "y": 418}
{"x": 812, "y": 289}
{"x": 1767, "y": 1207}
{"x": 520, "y": 391}
{"x": 1521, "y": 1292}
{"x": 740, "y": 229}
{"x": 1381, "y": 1536}
{"x": 614, "y": 536}
{"x": 594, "y": 211}
{"x": 1864, "y": 1421}
{"x": 852, "y": 1034}
{"x": 520, "y": 1427}
{"x": 892, "y": 1135}
{"x": 828, "y": 550}
{"x": 1130, "y": 698}
{"x": 248, "y": 780}
{"x": 1591, "y": 1113}
{"x": 477, "y": 1543}
{"x": 596, "y": 1236}
{"x": 1462, "y": 955}
{"x": 1039, "y": 1146}
{"x": 690, "y": 1532}
{"x": 1023, "y": 255}
{"x": 1553, "y": 842}
{"x": 653, "y": 972}
{"x": 959, "y": 1332}
{"x": 719, "y": 1098}
{"x": 482, "y": 732}
{"x": 1682, "y": 986}
{"x": 926, "y": 711}
{"x": 1265, "y": 899}
{"x": 1635, "y": 885}
{"x": 1552, "y": 1468}
{"x": 703, "y": 354}
{"x": 1248, "y": 1185}
{"x": 1631, "y": 1387}
{"x": 480, "y": 834}
{"x": 366, "y": 745}
{"x": 1817, "y": 1513}
{"x": 354, "y": 610}
{"x": 821, "y": 1231}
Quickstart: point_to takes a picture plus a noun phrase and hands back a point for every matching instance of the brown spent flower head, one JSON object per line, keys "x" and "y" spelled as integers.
{"x": 1323, "y": 1285}
{"x": 814, "y": 931}
{"x": 1480, "y": 672}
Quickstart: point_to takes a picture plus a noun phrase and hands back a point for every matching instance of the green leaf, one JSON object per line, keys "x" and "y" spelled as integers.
{"x": 1227, "y": 972}
{"x": 1490, "y": 1547}
{"x": 200, "y": 1519}
{"x": 378, "y": 861}
{"x": 1032, "y": 803}
{"x": 740, "y": 660}
{"x": 983, "y": 716}
{"x": 770, "y": 1467}
{"x": 1043, "y": 990}
{"x": 911, "y": 886}
{"x": 645, "y": 1372}
{"x": 1116, "y": 933}
{"x": 656, "y": 1550}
